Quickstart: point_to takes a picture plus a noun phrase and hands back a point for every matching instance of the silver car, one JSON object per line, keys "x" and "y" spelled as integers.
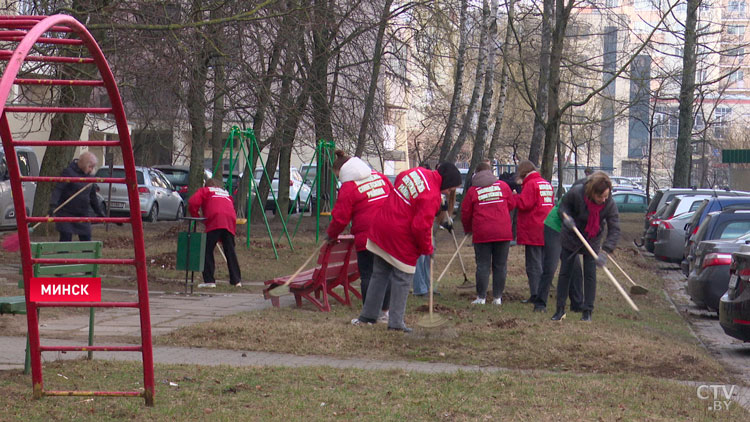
{"x": 670, "y": 238}
{"x": 158, "y": 198}
{"x": 29, "y": 166}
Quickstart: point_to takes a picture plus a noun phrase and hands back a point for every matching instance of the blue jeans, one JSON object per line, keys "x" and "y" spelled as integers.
{"x": 422, "y": 276}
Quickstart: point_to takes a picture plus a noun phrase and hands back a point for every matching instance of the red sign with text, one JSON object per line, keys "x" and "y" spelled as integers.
{"x": 66, "y": 289}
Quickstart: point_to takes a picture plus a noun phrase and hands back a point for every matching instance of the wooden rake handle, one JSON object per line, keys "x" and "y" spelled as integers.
{"x": 302, "y": 267}
{"x": 458, "y": 248}
{"x": 623, "y": 271}
{"x": 59, "y": 207}
{"x": 606, "y": 271}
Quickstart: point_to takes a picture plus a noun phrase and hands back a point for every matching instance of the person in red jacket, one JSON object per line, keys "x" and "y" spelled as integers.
{"x": 401, "y": 232}
{"x": 221, "y": 222}
{"x": 363, "y": 191}
{"x": 485, "y": 212}
{"x": 534, "y": 202}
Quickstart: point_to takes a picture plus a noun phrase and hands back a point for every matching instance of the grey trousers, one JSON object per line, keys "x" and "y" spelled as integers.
{"x": 491, "y": 255}
{"x": 534, "y": 257}
{"x": 383, "y": 275}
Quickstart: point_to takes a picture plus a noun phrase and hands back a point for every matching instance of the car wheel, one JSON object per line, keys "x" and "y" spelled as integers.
{"x": 153, "y": 214}
{"x": 103, "y": 206}
{"x": 294, "y": 207}
{"x": 180, "y": 212}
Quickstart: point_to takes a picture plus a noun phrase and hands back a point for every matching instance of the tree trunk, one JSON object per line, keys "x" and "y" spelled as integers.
{"x": 500, "y": 108}
{"x": 552, "y": 133}
{"x": 67, "y": 126}
{"x": 480, "y": 140}
{"x": 196, "y": 103}
{"x": 458, "y": 83}
{"x": 219, "y": 112}
{"x": 682, "y": 162}
{"x": 322, "y": 37}
{"x": 376, "y": 60}
{"x": 540, "y": 114}
{"x": 465, "y": 126}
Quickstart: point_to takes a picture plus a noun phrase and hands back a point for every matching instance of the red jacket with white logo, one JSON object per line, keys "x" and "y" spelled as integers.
{"x": 217, "y": 207}
{"x": 534, "y": 202}
{"x": 359, "y": 202}
{"x": 403, "y": 226}
{"x": 485, "y": 212}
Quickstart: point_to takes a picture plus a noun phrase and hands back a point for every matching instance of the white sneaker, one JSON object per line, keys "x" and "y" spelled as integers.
{"x": 207, "y": 285}
{"x": 383, "y": 318}
{"x": 238, "y": 285}
{"x": 358, "y": 322}
{"x": 498, "y": 301}
{"x": 478, "y": 301}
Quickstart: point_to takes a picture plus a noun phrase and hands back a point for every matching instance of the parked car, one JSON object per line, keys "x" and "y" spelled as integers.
{"x": 625, "y": 183}
{"x": 670, "y": 238}
{"x": 28, "y": 164}
{"x": 709, "y": 278}
{"x": 663, "y": 196}
{"x": 179, "y": 176}
{"x": 714, "y": 204}
{"x": 727, "y": 224}
{"x": 157, "y": 197}
{"x": 679, "y": 205}
{"x": 630, "y": 202}
{"x": 299, "y": 192}
{"x": 734, "y": 307}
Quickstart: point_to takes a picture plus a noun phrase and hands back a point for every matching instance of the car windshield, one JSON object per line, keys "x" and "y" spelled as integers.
{"x": 734, "y": 229}
{"x": 119, "y": 173}
{"x": 176, "y": 177}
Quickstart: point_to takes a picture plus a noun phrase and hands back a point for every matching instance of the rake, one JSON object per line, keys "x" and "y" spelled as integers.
{"x": 432, "y": 320}
{"x": 284, "y": 288}
{"x": 635, "y": 289}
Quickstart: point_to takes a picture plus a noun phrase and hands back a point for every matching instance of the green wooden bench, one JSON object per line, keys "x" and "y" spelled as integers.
{"x": 64, "y": 250}
{"x": 13, "y": 305}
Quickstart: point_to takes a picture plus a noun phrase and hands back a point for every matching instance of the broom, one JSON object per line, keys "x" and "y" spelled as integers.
{"x": 11, "y": 243}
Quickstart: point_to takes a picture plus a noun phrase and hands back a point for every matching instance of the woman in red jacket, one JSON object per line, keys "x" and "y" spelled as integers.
{"x": 221, "y": 223}
{"x": 534, "y": 202}
{"x": 485, "y": 212}
{"x": 401, "y": 232}
{"x": 363, "y": 191}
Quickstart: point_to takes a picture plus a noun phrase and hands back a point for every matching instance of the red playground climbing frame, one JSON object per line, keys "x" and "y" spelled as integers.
{"x": 34, "y": 34}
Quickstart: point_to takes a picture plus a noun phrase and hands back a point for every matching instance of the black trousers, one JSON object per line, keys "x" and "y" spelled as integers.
{"x": 365, "y": 262}
{"x": 227, "y": 242}
{"x": 68, "y": 237}
{"x": 551, "y": 259}
{"x": 491, "y": 256}
{"x": 567, "y": 261}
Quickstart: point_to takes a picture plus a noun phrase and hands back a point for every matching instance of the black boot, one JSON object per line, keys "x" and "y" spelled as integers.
{"x": 586, "y": 316}
{"x": 559, "y": 314}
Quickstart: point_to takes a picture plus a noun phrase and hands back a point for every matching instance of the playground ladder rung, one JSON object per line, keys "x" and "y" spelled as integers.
{"x": 100, "y": 261}
{"x": 15, "y": 18}
{"x": 7, "y": 54}
{"x": 95, "y": 393}
{"x": 77, "y": 82}
{"x": 30, "y": 24}
{"x": 66, "y": 143}
{"x": 87, "y": 304}
{"x": 78, "y": 219}
{"x": 34, "y": 109}
{"x": 59, "y": 41}
{"x": 90, "y": 348}
{"x": 73, "y": 179}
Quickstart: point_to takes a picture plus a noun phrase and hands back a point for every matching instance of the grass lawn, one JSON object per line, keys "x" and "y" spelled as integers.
{"x": 655, "y": 342}
{"x": 312, "y": 394}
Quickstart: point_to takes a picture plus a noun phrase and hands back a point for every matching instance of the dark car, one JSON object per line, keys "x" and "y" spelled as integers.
{"x": 710, "y": 275}
{"x": 734, "y": 307}
{"x": 179, "y": 177}
{"x": 714, "y": 204}
{"x": 727, "y": 224}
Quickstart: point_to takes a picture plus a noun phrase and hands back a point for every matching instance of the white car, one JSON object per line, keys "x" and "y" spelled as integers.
{"x": 158, "y": 198}
{"x": 299, "y": 192}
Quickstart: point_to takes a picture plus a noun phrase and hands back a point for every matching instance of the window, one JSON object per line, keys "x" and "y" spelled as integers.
{"x": 642, "y": 4}
{"x": 611, "y": 3}
{"x": 666, "y": 123}
{"x": 619, "y": 199}
{"x": 721, "y": 121}
{"x": 636, "y": 199}
{"x": 737, "y": 79}
{"x": 734, "y": 229}
{"x": 695, "y": 205}
{"x": 119, "y": 173}
{"x": 736, "y": 30}
{"x": 23, "y": 163}
{"x": 736, "y": 51}
{"x": 736, "y": 6}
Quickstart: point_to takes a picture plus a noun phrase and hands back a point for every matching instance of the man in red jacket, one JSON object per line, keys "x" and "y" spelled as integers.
{"x": 221, "y": 223}
{"x": 534, "y": 202}
{"x": 363, "y": 191}
{"x": 485, "y": 212}
{"x": 401, "y": 232}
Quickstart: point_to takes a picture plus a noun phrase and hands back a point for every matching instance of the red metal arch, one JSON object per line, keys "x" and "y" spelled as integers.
{"x": 30, "y": 31}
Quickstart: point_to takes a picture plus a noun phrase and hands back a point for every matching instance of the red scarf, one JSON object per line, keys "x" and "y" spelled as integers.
{"x": 592, "y": 225}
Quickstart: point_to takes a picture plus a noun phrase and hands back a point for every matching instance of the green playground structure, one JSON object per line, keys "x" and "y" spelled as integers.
{"x": 324, "y": 183}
